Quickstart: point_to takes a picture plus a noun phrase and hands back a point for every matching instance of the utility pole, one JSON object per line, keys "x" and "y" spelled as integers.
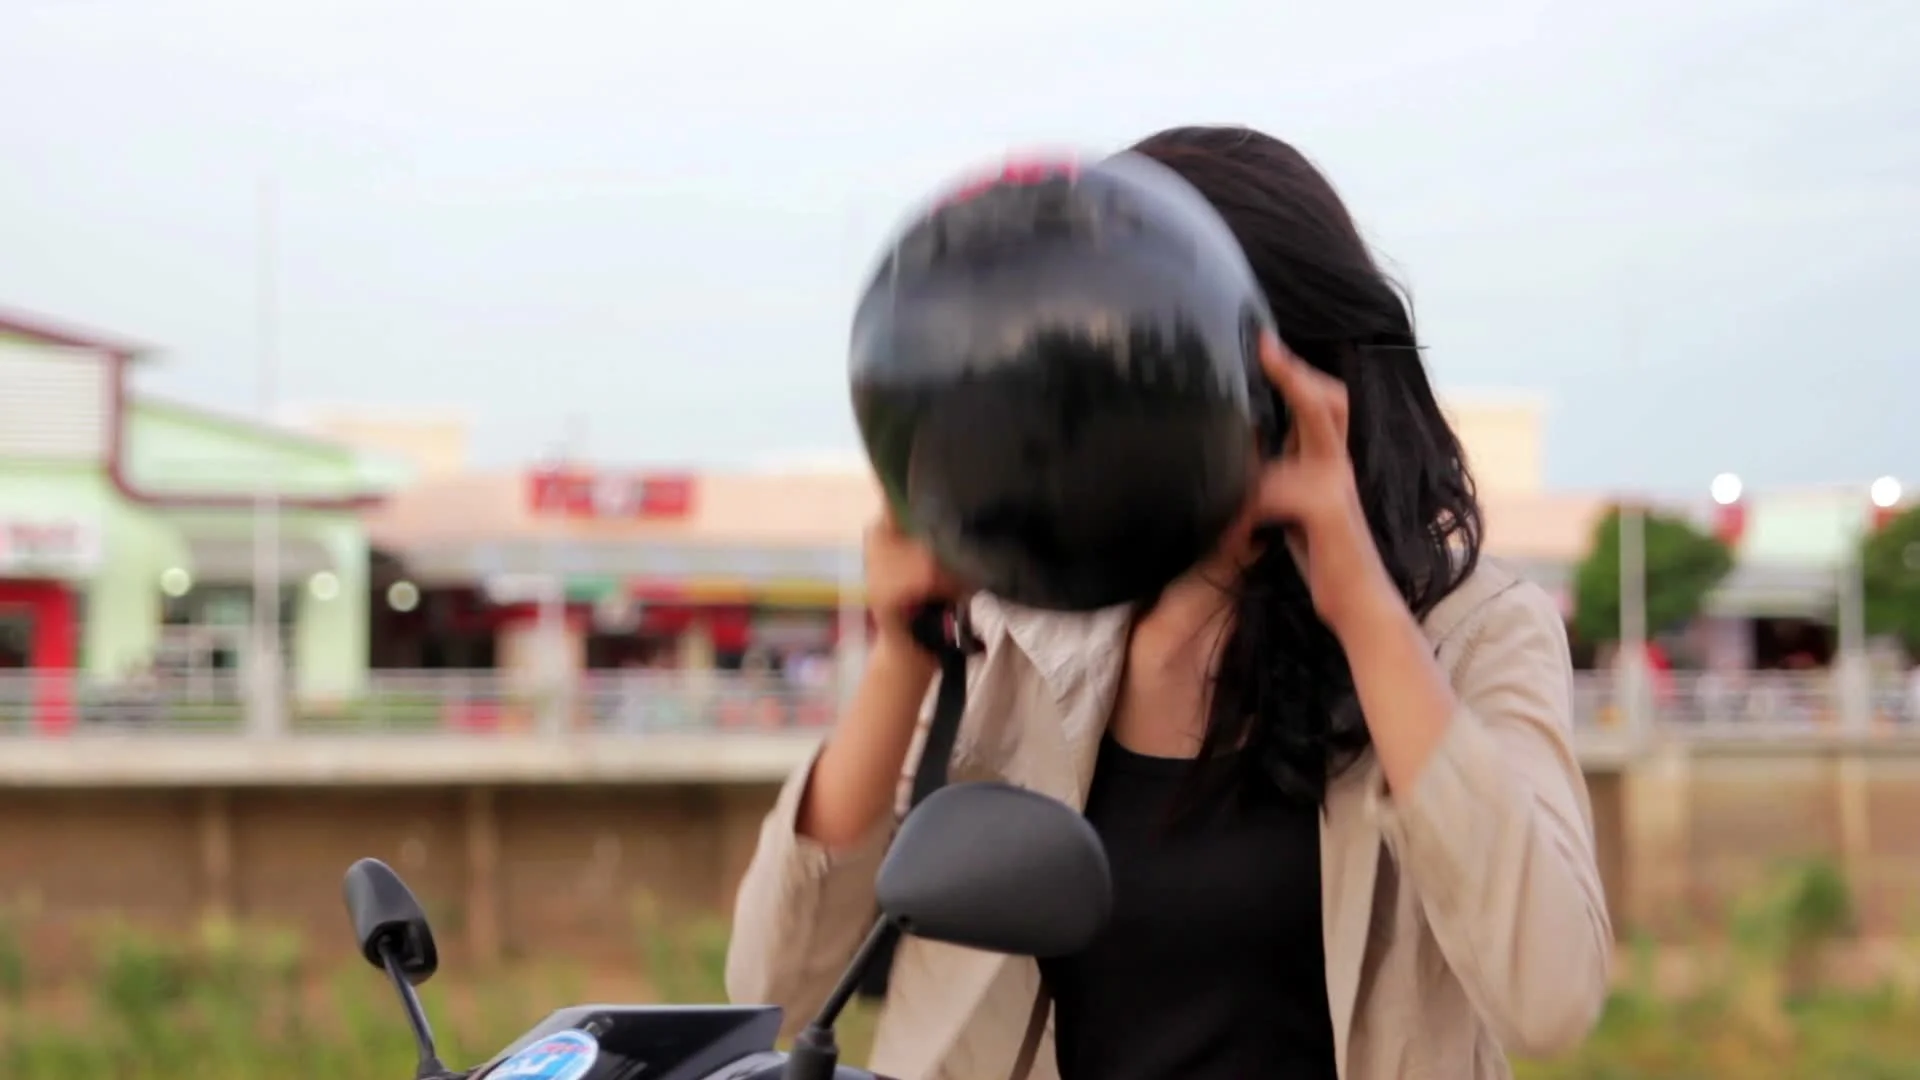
{"x": 1633, "y": 618}
{"x": 851, "y": 655}
{"x": 1634, "y": 698}
{"x": 1854, "y": 666}
{"x": 267, "y": 714}
{"x": 551, "y": 628}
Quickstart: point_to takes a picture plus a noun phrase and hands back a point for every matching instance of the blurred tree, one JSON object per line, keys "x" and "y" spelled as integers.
{"x": 1684, "y": 563}
{"x": 1890, "y": 573}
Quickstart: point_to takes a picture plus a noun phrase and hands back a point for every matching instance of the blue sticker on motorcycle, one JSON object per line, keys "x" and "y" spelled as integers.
{"x": 564, "y": 1056}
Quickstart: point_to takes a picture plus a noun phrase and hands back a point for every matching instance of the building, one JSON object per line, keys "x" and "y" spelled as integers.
{"x": 714, "y": 570}
{"x": 127, "y": 533}
{"x": 681, "y": 570}
{"x": 702, "y": 571}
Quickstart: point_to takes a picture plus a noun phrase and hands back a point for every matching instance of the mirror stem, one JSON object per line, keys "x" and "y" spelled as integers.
{"x": 815, "y": 1054}
{"x": 430, "y": 1065}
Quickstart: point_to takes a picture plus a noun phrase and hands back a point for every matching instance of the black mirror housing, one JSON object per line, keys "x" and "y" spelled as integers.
{"x": 386, "y": 916}
{"x": 996, "y": 867}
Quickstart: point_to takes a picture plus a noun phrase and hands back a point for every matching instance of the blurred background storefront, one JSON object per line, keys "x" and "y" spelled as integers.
{"x": 133, "y": 534}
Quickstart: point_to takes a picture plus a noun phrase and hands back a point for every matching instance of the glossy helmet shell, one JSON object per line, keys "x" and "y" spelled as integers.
{"x": 1054, "y": 372}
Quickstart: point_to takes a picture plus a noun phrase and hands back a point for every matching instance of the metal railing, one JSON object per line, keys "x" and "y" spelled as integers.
{"x": 1685, "y": 705}
{"x": 470, "y": 702}
{"x": 1746, "y": 704}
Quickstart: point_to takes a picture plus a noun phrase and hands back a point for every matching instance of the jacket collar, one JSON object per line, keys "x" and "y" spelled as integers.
{"x": 1061, "y": 645}
{"x": 1079, "y": 656}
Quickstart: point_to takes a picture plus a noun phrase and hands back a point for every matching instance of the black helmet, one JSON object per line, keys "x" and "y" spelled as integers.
{"x": 1054, "y": 372}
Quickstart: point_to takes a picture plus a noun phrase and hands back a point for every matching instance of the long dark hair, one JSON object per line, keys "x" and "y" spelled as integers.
{"x": 1282, "y": 689}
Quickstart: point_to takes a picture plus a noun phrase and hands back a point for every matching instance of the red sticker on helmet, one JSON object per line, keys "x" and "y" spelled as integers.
{"x": 1016, "y": 172}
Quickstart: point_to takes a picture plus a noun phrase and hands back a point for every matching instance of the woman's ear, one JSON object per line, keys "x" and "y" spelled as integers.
{"x": 1246, "y": 537}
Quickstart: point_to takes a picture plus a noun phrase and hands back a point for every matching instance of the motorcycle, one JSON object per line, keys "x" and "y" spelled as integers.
{"x": 983, "y": 865}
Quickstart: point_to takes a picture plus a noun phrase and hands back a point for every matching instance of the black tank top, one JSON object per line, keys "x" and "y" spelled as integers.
{"x": 1212, "y": 967}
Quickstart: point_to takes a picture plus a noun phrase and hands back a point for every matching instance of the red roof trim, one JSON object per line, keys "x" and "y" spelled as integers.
{"x": 46, "y": 332}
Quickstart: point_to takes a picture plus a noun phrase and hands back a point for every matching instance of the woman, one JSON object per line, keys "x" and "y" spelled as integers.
{"x": 1349, "y": 837}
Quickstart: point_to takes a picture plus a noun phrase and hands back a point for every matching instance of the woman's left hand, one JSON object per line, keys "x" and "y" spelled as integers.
{"x": 1309, "y": 490}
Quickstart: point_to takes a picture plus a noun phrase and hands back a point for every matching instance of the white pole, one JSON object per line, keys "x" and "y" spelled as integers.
{"x": 851, "y": 657}
{"x": 1633, "y": 617}
{"x": 1633, "y": 546}
{"x": 852, "y": 654}
{"x": 551, "y": 630}
{"x": 1854, "y": 692}
{"x": 267, "y": 715}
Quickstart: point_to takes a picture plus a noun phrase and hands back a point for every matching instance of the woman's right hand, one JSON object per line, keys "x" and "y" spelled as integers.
{"x": 902, "y": 578}
{"x": 856, "y": 777}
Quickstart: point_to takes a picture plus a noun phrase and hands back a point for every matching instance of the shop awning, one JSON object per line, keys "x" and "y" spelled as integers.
{"x": 229, "y": 559}
{"x": 1776, "y": 592}
{"x": 747, "y": 567}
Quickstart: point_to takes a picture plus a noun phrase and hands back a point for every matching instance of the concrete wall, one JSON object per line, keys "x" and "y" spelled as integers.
{"x": 512, "y": 869}
{"x": 429, "y": 444}
{"x": 1504, "y": 441}
{"x": 505, "y": 872}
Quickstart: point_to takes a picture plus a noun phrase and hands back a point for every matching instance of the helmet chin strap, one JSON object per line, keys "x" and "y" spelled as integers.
{"x": 941, "y": 630}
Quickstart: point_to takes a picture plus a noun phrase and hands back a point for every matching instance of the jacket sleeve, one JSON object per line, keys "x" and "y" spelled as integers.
{"x": 802, "y": 910}
{"x": 1495, "y": 837}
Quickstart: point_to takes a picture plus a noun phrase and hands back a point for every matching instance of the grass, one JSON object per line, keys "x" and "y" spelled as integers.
{"x": 387, "y": 713}
{"x": 238, "y": 1003}
{"x": 234, "y": 1003}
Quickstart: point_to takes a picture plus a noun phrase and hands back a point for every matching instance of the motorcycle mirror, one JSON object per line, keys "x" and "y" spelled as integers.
{"x": 995, "y": 867}
{"x": 394, "y": 936}
{"x": 985, "y": 865}
{"x": 387, "y": 919}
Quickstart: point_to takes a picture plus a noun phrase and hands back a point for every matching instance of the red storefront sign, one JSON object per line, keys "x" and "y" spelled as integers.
{"x": 48, "y": 548}
{"x": 581, "y": 493}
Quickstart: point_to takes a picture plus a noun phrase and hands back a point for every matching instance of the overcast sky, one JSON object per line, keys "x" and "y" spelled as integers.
{"x": 1691, "y": 226}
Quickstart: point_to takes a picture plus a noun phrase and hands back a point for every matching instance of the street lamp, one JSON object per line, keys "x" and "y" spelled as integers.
{"x": 1729, "y": 516}
{"x": 403, "y": 596}
{"x": 324, "y": 586}
{"x": 1885, "y": 493}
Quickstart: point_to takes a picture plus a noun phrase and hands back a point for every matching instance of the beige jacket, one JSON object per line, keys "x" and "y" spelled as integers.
{"x": 1463, "y": 921}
